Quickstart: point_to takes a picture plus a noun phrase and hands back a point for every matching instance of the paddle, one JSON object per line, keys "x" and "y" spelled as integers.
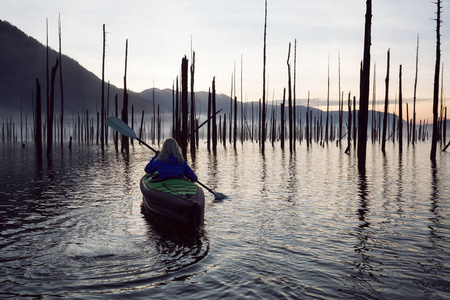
{"x": 120, "y": 126}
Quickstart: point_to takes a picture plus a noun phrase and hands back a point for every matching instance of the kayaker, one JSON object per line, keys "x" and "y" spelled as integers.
{"x": 169, "y": 163}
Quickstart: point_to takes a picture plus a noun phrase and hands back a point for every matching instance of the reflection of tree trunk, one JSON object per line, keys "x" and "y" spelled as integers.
{"x": 435, "y": 136}
{"x": 364, "y": 92}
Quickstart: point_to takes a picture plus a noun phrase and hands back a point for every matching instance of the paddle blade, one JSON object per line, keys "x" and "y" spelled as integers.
{"x": 120, "y": 126}
{"x": 219, "y": 196}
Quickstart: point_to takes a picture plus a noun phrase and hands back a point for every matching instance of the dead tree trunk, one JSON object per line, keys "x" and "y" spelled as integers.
{"x": 192, "y": 119}
{"x": 61, "y": 84}
{"x": 415, "y": 92}
{"x": 98, "y": 125}
{"x": 282, "y": 121}
{"x": 174, "y": 111}
{"x": 407, "y": 124}
{"x": 102, "y": 112}
{"x": 263, "y": 115}
{"x": 224, "y": 135}
{"x": 435, "y": 136}
{"x": 116, "y": 134}
{"x": 38, "y": 123}
{"x": 182, "y": 140}
{"x": 235, "y": 123}
{"x": 132, "y": 123}
{"x": 290, "y": 120}
{"x": 242, "y": 105}
{"x": 341, "y": 100}
{"x": 374, "y": 96}
{"x": 444, "y": 134}
{"x": 142, "y": 125}
{"x": 107, "y": 114}
{"x": 294, "y": 102}
{"x": 51, "y": 110}
{"x": 214, "y": 121}
{"x": 328, "y": 102}
{"x": 231, "y": 111}
{"x": 442, "y": 123}
{"x": 400, "y": 113}
{"x": 355, "y": 129}
{"x": 364, "y": 92}
{"x": 153, "y": 126}
{"x": 48, "y": 79}
{"x": 208, "y": 131}
{"x": 125, "y": 142}
{"x": 349, "y": 124}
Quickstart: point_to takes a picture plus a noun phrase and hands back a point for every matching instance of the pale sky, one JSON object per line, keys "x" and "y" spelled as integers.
{"x": 222, "y": 32}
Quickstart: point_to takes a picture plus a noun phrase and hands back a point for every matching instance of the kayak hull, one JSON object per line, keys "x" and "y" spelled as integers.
{"x": 168, "y": 199}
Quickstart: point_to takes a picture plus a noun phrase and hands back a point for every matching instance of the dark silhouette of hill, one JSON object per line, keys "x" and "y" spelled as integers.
{"x": 23, "y": 59}
{"x": 164, "y": 99}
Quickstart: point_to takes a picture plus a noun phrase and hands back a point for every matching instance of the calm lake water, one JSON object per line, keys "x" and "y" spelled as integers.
{"x": 303, "y": 226}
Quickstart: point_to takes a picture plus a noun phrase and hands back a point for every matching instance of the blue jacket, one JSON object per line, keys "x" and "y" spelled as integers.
{"x": 170, "y": 169}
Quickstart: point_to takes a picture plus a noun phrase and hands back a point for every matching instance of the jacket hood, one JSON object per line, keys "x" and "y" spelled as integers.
{"x": 173, "y": 160}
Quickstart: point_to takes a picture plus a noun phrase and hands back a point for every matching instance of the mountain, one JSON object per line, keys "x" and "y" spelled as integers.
{"x": 23, "y": 59}
{"x": 165, "y": 98}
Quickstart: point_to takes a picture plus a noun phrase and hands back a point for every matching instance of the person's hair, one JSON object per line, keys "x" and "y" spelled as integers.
{"x": 170, "y": 147}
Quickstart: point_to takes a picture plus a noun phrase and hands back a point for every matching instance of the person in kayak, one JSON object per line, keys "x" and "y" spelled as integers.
{"x": 169, "y": 163}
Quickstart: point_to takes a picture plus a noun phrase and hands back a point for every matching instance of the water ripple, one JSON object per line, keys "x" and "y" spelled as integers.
{"x": 293, "y": 226}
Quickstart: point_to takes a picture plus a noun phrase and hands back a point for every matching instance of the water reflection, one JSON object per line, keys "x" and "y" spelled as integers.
{"x": 292, "y": 182}
{"x": 177, "y": 249}
{"x": 399, "y": 197}
{"x": 363, "y": 200}
{"x": 264, "y": 174}
{"x": 366, "y": 270}
{"x": 306, "y": 225}
{"x": 435, "y": 207}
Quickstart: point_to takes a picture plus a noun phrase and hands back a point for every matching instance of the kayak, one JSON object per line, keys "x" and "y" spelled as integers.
{"x": 180, "y": 201}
